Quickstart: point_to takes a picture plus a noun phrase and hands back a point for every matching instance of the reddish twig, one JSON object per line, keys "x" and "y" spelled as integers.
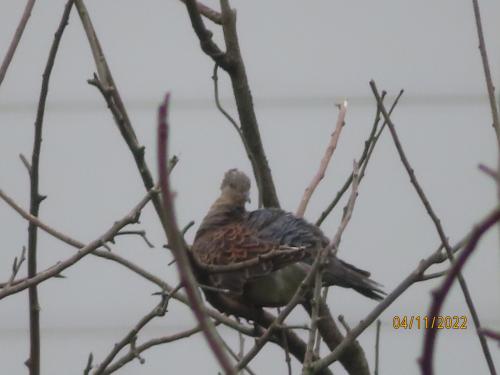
{"x": 439, "y": 296}
{"x": 15, "y": 40}
{"x": 438, "y": 226}
{"x": 176, "y": 243}
{"x": 332, "y": 145}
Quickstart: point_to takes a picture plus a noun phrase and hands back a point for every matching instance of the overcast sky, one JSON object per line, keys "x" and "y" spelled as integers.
{"x": 301, "y": 58}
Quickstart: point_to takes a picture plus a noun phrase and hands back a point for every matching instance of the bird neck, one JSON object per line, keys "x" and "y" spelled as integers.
{"x": 223, "y": 211}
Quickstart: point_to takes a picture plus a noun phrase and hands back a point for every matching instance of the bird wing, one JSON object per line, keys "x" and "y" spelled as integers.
{"x": 235, "y": 245}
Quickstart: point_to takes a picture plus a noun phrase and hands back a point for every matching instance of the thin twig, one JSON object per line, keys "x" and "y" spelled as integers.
{"x": 296, "y": 299}
{"x": 232, "y": 62}
{"x": 495, "y": 335}
{"x": 332, "y": 145}
{"x": 377, "y": 347}
{"x": 438, "y": 226}
{"x": 15, "y": 40}
{"x": 140, "y": 233}
{"x": 179, "y": 250}
{"x": 205, "y": 36}
{"x": 132, "y": 354}
{"x": 236, "y": 127}
{"x": 208, "y": 13}
{"x": 344, "y": 323}
{"x": 486, "y": 67}
{"x": 332, "y": 247}
{"x": 120, "y": 260}
{"x": 363, "y": 160}
{"x": 187, "y": 227}
{"x": 439, "y": 296}
{"x": 435, "y": 258}
{"x": 158, "y": 310}
{"x": 16, "y": 266}
{"x": 221, "y": 109}
{"x": 237, "y": 357}
{"x": 489, "y": 171}
{"x": 25, "y": 163}
{"x": 88, "y": 367}
{"x": 57, "y": 268}
{"x": 288, "y": 252}
{"x": 36, "y": 198}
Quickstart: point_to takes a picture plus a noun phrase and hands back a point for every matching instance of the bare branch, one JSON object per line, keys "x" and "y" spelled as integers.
{"x": 186, "y": 227}
{"x": 377, "y": 348}
{"x": 332, "y": 145}
{"x": 296, "y": 299}
{"x": 363, "y": 160}
{"x": 354, "y": 360}
{"x": 140, "y": 233}
{"x": 131, "y": 336}
{"x": 16, "y": 266}
{"x": 344, "y": 323}
{"x": 232, "y": 62}
{"x": 131, "y": 355}
{"x": 205, "y": 36}
{"x": 437, "y": 224}
{"x": 88, "y": 367}
{"x": 486, "y": 67}
{"x": 33, "y": 362}
{"x": 25, "y": 163}
{"x": 179, "y": 250}
{"x": 15, "y": 40}
{"x": 489, "y": 171}
{"x": 124, "y": 262}
{"x": 277, "y": 253}
{"x": 439, "y": 296}
{"x": 491, "y": 334}
{"x": 435, "y": 258}
{"x": 208, "y": 12}
{"x": 56, "y": 269}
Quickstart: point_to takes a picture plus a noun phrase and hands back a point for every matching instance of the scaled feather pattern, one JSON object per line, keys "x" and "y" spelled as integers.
{"x": 229, "y": 235}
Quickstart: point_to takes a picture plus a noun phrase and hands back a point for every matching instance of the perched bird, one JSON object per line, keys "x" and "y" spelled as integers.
{"x": 229, "y": 234}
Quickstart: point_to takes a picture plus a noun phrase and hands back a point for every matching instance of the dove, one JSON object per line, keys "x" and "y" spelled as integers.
{"x": 279, "y": 247}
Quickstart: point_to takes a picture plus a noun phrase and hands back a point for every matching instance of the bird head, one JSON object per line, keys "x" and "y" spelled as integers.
{"x": 236, "y": 187}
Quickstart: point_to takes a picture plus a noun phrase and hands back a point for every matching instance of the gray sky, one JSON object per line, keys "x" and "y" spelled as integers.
{"x": 301, "y": 58}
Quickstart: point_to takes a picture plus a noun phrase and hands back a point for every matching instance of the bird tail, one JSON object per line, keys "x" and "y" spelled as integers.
{"x": 346, "y": 275}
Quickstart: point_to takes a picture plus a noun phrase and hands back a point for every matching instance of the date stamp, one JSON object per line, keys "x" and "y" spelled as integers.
{"x": 429, "y": 322}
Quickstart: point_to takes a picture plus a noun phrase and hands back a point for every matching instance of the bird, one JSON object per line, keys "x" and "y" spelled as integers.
{"x": 281, "y": 245}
